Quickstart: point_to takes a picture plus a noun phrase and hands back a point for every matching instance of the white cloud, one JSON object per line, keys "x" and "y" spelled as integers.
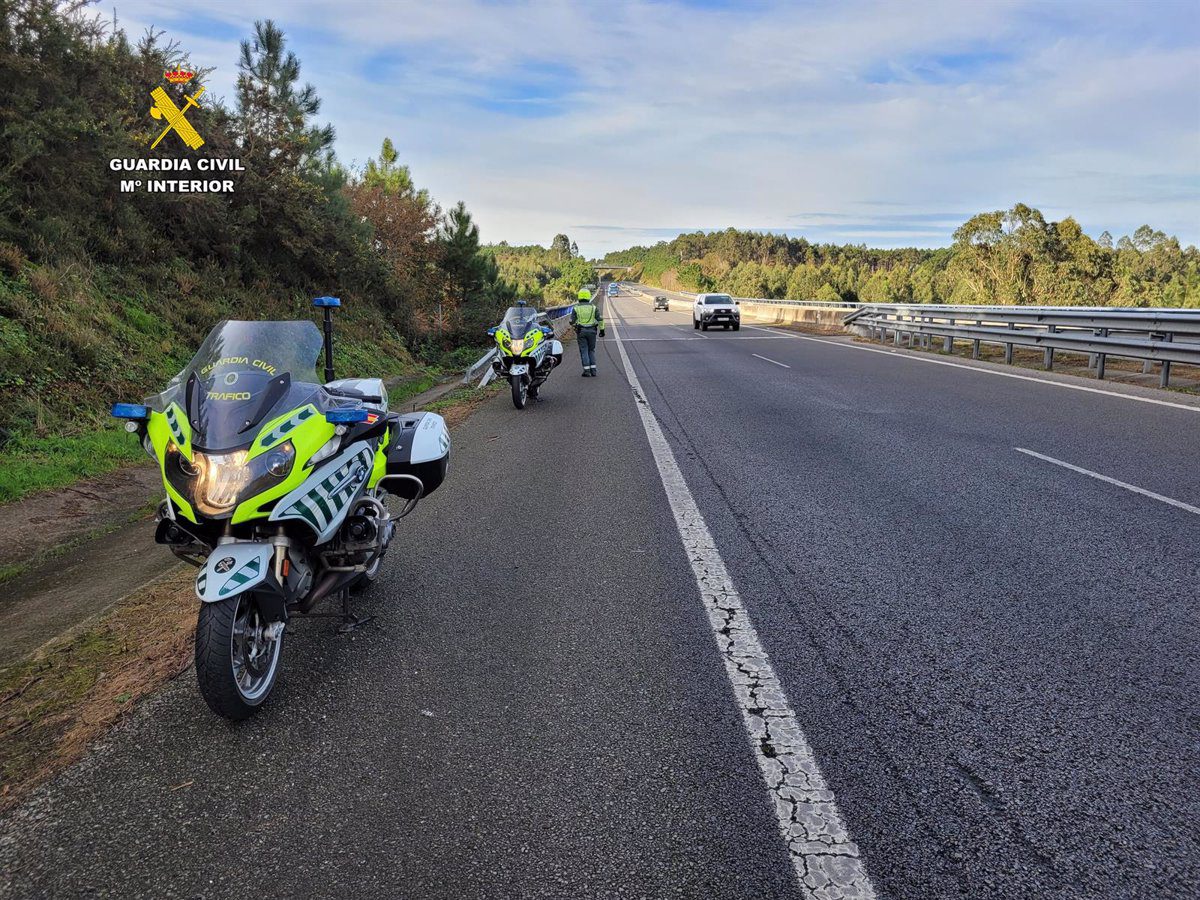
{"x": 700, "y": 117}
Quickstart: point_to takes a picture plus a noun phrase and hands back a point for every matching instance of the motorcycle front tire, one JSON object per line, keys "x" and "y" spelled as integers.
{"x": 230, "y": 684}
{"x": 520, "y": 391}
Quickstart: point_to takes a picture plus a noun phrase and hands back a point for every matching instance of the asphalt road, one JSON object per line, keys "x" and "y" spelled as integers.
{"x": 993, "y": 657}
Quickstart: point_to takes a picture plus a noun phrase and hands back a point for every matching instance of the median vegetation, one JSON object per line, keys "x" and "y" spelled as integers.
{"x": 1002, "y": 257}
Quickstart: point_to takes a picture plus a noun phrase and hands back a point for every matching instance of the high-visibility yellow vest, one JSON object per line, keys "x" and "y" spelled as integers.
{"x": 586, "y": 315}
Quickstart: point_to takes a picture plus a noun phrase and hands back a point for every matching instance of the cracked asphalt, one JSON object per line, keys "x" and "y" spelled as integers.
{"x": 993, "y": 660}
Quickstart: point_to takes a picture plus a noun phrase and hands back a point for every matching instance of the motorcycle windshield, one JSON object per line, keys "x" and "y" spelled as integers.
{"x": 243, "y": 373}
{"x": 519, "y": 320}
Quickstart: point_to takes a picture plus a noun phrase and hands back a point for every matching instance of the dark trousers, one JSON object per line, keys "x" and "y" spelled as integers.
{"x": 587, "y": 348}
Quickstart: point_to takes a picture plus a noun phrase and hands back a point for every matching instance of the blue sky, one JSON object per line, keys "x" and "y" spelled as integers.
{"x": 628, "y": 122}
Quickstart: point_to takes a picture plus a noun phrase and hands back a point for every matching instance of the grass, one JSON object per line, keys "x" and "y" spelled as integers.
{"x": 74, "y": 338}
{"x": 29, "y": 463}
{"x": 54, "y": 703}
{"x": 407, "y": 388}
{"x": 458, "y": 405}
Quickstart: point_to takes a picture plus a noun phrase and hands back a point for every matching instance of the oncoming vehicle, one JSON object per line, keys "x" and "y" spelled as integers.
{"x": 716, "y": 309}
{"x": 277, "y": 484}
{"x": 613, "y": 289}
{"x": 526, "y": 352}
{"x": 660, "y": 302}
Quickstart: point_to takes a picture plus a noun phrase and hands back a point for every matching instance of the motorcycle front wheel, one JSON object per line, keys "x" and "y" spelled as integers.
{"x": 236, "y": 663}
{"x": 520, "y": 391}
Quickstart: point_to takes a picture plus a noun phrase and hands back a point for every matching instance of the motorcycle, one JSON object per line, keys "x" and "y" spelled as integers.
{"x": 526, "y": 352}
{"x": 278, "y": 484}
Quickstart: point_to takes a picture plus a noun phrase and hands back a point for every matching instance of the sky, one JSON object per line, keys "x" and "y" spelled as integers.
{"x": 630, "y": 121}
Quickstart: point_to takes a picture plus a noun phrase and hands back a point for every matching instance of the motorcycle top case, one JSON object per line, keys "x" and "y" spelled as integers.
{"x": 420, "y": 446}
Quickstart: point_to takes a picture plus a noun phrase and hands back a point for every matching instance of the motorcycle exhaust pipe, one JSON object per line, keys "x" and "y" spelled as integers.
{"x": 366, "y": 531}
{"x": 326, "y": 586}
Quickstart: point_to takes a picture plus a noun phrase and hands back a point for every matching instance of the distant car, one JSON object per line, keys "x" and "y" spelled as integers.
{"x": 716, "y": 309}
{"x": 660, "y": 302}
{"x": 612, "y": 290}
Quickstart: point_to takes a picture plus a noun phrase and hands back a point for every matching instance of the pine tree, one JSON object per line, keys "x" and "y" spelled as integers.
{"x": 274, "y": 114}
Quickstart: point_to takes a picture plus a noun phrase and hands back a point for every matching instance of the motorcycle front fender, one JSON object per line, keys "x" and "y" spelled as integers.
{"x": 234, "y": 569}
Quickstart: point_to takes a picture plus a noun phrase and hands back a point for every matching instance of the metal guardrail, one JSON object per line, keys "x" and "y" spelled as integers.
{"x": 799, "y": 303}
{"x": 1149, "y": 335}
{"x": 828, "y": 304}
{"x": 555, "y": 315}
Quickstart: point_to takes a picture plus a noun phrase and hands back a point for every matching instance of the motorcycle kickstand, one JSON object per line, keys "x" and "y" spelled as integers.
{"x": 349, "y": 620}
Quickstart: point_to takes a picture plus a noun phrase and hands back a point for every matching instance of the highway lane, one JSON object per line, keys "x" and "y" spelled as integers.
{"x": 539, "y": 711}
{"x": 994, "y": 657}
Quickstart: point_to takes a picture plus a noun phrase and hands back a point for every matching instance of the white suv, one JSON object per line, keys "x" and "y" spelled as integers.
{"x": 716, "y": 309}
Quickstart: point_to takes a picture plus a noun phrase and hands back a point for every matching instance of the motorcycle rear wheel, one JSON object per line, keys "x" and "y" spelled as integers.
{"x": 520, "y": 391}
{"x": 236, "y": 664}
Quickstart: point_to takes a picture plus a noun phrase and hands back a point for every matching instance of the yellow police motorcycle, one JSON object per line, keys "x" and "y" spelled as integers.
{"x": 283, "y": 487}
{"x": 526, "y": 352}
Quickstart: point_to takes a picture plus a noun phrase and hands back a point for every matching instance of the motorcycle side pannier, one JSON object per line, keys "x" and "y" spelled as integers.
{"x": 420, "y": 446}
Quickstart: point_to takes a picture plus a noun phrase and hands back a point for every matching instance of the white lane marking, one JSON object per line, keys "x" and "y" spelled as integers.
{"x": 944, "y": 362}
{"x": 773, "y": 362}
{"x": 826, "y": 861}
{"x": 1170, "y": 501}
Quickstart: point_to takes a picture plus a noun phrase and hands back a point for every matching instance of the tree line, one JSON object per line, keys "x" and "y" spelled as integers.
{"x": 1010, "y": 256}
{"x": 74, "y": 93}
{"x": 552, "y": 275}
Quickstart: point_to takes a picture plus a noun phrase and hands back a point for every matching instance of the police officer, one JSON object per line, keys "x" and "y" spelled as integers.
{"x": 588, "y": 322}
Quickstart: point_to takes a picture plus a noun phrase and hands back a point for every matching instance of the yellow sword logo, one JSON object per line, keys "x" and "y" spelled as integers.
{"x": 165, "y": 108}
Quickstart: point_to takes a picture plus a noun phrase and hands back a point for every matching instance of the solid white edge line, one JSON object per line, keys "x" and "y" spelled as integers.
{"x": 826, "y": 862}
{"x": 1170, "y": 501}
{"x": 945, "y": 362}
{"x": 772, "y": 361}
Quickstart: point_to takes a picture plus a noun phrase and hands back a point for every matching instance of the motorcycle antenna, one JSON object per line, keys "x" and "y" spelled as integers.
{"x": 328, "y": 305}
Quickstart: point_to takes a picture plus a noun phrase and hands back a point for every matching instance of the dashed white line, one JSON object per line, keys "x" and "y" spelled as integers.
{"x": 826, "y": 861}
{"x": 772, "y": 361}
{"x": 945, "y": 362}
{"x": 1170, "y": 501}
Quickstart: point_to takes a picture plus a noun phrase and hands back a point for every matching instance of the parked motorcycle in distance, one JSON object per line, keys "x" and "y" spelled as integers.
{"x": 526, "y": 352}
{"x": 277, "y": 484}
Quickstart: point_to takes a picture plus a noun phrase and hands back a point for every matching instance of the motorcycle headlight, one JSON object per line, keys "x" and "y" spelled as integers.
{"x": 215, "y": 483}
{"x": 219, "y": 481}
{"x": 518, "y": 346}
{"x": 186, "y": 466}
{"x": 279, "y": 460}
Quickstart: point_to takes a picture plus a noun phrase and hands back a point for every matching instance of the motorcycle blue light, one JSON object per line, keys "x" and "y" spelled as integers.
{"x": 130, "y": 411}
{"x": 326, "y": 301}
{"x": 346, "y": 416}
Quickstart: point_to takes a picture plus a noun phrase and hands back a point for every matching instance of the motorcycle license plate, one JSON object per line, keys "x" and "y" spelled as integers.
{"x": 519, "y": 370}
